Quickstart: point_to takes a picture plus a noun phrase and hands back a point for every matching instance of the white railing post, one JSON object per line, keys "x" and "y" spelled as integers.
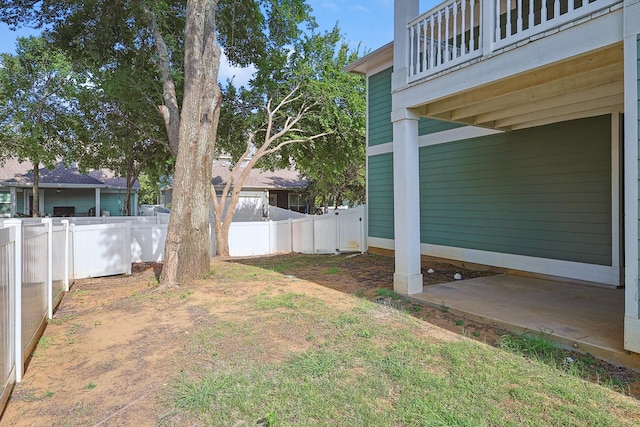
{"x": 489, "y": 28}
{"x": 49, "y": 283}
{"x": 65, "y": 279}
{"x": 17, "y": 275}
{"x": 290, "y": 235}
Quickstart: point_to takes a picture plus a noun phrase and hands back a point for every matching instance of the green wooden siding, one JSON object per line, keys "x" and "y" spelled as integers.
{"x": 81, "y": 199}
{"x": 542, "y": 192}
{"x": 427, "y": 126}
{"x": 380, "y": 129}
{"x": 113, "y": 202}
{"x": 380, "y": 203}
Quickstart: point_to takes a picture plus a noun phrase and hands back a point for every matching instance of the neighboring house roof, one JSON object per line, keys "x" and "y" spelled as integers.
{"x": 279, "y": 179}
{"x": 20, "y": 174}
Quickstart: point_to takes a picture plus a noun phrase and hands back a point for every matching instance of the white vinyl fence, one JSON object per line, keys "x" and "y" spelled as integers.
{"x": 39, "y": 258}
{"x": 35, "y": 271}
{"x": 8, "y": 301}
{"x": 339, "y": 231}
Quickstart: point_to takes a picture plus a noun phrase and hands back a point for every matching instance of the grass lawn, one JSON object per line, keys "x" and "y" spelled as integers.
{"x": 257, "y": 345}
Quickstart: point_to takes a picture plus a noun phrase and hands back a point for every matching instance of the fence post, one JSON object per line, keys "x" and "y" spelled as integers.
{"x": 72, "y": 253}
{"x": 65, "y": 274}
{"x": 337, "y": 215}
{"x": 313, "y": 235}
{"x": 290, "y": 235}
{"x": 17, "y": 274}
{"x": 49, "y": 283}
{"x": 127, "y": 249}
{"x": 363, "y": 238}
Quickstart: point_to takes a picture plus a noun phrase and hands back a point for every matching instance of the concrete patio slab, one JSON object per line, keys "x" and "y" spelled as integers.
{"x": 577, "y": 316}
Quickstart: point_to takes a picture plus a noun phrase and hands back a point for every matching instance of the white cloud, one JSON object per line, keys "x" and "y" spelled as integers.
{"x": 240, "y": 76}
{"x": 360, "y": 8}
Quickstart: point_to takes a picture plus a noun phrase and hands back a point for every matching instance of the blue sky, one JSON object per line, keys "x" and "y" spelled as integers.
{"x": 365, "y": 22}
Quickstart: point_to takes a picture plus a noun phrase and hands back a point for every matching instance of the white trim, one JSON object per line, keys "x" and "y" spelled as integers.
{"x": 574, "y": 41}
{"x": 366, "y": 144}
{"x": 379, "y": 242}
{"x": 550, "y": 267}
{"x": 378, "y": 68}
{"x": 631, "y": 168}
{"x": 452, "y": 135}
{"x": 615, "y": 190}
{"x": 385, "y": 148}
{"x": 568, "y": 269}
{"x": 632, "y": 334}
{"x": 97, "y": 207}
{"x": 14, "y": 201}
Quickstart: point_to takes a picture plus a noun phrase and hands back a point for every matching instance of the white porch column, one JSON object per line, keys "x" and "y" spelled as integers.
{"x": 97, "y": 212}
{"x": 407, "y": 278}
{"x": 13, "y": 198}
{"x": 632, "y": 196}
{"x": 404, "y": 11}
{"x": 134, "y": 207}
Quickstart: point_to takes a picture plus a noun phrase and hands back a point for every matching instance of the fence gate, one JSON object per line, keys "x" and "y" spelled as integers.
{"x": 350, "y": 230}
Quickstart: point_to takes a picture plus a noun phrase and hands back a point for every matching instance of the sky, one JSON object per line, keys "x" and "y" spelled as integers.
{"x": 368, "y": 23}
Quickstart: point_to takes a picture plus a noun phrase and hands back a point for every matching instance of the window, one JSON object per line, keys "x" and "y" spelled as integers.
{"x": 5, "y": 204}
{"x": 297, "y": 202}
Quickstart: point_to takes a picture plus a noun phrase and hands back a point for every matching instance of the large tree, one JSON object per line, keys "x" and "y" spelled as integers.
{"x": 126, "y": 133}
{"x": 186, "y": 39}
{"x": 307, "y": 112}
{"x": 334, "y": 165}
{"x": 260, "y": 131}
{"x": 39, "y": 112}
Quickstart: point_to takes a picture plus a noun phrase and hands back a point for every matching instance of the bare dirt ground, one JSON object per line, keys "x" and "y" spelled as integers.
{"x": 115, "y": 343}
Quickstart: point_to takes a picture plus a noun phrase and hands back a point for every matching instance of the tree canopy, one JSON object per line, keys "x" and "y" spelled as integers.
{"x": 185, "y": 41}
{"x": 39, "y": 106}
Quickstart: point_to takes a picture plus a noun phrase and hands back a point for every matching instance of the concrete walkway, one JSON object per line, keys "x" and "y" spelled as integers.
{"x": 585, "y": 318}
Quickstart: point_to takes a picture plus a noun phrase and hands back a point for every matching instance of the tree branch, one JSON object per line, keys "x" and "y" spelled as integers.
{"x": 170, "y": 111}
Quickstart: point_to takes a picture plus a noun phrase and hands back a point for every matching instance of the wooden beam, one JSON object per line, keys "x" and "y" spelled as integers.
{"x": 613, "y": 102}
{"x": 555, "y": 100}
{"x": 549, "y": 89}
{"x": 572, "y": 116}
{"x": 567, "y": 69}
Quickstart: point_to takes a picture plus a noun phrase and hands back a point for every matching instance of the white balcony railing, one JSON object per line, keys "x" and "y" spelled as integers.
{"x": 459, "y": 31}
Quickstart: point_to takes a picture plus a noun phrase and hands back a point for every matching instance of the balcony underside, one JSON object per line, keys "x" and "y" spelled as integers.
{"x": 583, "y": 86}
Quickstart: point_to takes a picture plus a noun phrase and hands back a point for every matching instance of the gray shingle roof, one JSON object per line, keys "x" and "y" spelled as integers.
{"x": 271, "y": 180}
{"x": 13, "y": 172}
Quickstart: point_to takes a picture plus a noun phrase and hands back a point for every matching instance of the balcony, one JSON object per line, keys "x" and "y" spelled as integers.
{"x": 461, "y": 32}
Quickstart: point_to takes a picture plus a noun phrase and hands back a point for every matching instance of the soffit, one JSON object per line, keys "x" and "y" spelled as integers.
{"x": 588, "y": 85}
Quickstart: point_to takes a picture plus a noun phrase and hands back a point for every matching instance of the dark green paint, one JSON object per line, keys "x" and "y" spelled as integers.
{"x": 542, "y": 192}
{"x": 380, "y": 197}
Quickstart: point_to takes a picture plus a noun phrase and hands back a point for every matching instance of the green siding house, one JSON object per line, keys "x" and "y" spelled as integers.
{"x": 64, "y": 191}
{"x": 510, "y": 141}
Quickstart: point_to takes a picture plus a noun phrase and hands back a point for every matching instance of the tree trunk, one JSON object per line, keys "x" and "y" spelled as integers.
{"x": 187, "y": 244}
{"x": 126, "y": 207}
{"x": 222, "y": 238}
{"x": 35, "y": 198}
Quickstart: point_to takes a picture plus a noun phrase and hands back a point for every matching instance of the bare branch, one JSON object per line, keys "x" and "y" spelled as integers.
{"x": 170, "y": 111}
{"x": 291, "y": 141}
